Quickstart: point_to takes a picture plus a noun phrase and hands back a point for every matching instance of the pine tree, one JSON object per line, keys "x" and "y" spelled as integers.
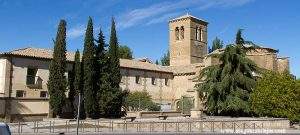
{"x": 217, "y": 44}
{"x": 78, "y": 84}
{"x": 115, "y": 95}
{"x": 57, "y": 80}
{"x": 89, "y": 74}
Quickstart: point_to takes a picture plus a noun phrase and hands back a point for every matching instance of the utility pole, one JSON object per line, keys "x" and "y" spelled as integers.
{"x": 78, "y": 112}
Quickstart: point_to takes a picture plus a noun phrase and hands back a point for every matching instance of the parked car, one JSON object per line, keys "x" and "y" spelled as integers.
{"x": 4, "y": 129}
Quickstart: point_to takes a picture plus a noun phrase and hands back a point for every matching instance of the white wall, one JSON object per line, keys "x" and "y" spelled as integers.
{"x": 2, "y": 76}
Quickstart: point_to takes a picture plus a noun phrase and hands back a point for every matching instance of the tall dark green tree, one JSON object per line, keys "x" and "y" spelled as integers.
{"x": 229, "y": 84}
{"x": 217, "y": 44}
{"x": 89, "y": 74}
{"x": 78, "y": 84}
{"x": 115, "y": 97}
{"x": 57, "y": 80}
{"x": 103, "y": 74}
{"x": 239, "y": 40}
{"x": 165, "y": 60}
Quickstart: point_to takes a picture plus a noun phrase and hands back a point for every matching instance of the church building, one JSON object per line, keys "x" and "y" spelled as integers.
{"x": 24, "y": 72}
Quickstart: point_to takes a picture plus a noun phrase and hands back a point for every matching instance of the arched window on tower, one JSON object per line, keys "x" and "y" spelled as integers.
{"x": 177, "y": 33}
{"x": 200, "y": 34}
{"x": 196, "y": 33}
{"x": 182, "y": 32}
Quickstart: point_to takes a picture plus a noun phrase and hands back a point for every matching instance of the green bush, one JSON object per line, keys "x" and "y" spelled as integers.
{"x": 140, "y": 100}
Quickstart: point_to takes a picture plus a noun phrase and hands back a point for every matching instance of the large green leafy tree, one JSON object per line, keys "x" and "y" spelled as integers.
{"x": 57, "y": 80}
{"x": 125, "y": 52}
{"x": 78, "y": 84}
{"x": 277, "y": 95}
{"x": 89, "y": 73}
{"x": 115, "y": 96}
{"x": 229, "y": 84}
{"x": 217, "y": 44}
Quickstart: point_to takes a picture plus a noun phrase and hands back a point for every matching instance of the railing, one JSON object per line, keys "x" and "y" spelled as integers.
{"x": 95, "y": 126}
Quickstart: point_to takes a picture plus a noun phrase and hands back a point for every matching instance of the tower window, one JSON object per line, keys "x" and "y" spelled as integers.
{"x": 182, "y": 32}
{"x": 200, "y": 35}
{"x": 177, "y": 33}
{"x": 196, "y": 33}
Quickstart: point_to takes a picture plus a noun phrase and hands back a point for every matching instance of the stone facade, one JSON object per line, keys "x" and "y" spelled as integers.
{"x": 24, "y": 72}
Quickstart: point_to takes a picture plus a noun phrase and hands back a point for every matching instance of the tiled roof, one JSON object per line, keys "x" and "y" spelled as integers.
{"x": 125, "y": 63}
{"x": 38, "y": 53}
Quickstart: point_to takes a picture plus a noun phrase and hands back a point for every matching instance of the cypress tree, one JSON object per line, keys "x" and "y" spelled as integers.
{"x": 103, "y": 74}
{"x": 217, "y": 44}
{"x": 57, "y": 80}
{"x": 78, "y": 84}
{"x": 89, "y": 74}
{"x": 116, "y": 96}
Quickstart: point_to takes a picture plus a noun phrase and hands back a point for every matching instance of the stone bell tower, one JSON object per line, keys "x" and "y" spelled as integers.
{"x": 187, "y": 40}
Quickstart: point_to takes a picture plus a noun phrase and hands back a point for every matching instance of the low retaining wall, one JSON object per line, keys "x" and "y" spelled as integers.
{"x": 153, "y": 114}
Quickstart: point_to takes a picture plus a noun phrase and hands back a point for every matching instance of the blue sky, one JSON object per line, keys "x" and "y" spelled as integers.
{"x": 143, "y": 24}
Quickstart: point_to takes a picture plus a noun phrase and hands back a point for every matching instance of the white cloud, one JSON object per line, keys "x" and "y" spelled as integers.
{"x": 155, "y": 13}
{"x": 163, "y": 18}
{"x": 76, "y": 31}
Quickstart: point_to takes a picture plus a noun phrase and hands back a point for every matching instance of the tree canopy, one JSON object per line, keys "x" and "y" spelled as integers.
{"x": 217, "y": 44}
{"x": 277, "y": 95}
{"x": 165, "y": 60}
{"x": 125, "y": 52}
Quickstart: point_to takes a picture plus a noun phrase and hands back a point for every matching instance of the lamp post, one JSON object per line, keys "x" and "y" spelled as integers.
{"x": 78, "y": 112}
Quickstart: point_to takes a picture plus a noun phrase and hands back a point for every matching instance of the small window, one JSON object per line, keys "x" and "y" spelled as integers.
{"x": 153, "y": 81}
{"x": 31, "y": 75}
{"x": 182, "y": 32}
{"x": 200, "y": 35}
{"x": 177, "y": 33}
{"x": 43, "y": 94}
{"x": 166, "y": 81}
{"x": 20, "y": 93}
{"x": 137, "y": 79}
{"x": 196, "y": 33}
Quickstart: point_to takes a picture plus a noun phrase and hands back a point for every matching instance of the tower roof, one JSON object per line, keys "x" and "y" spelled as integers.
{"x": 188, "y": 16}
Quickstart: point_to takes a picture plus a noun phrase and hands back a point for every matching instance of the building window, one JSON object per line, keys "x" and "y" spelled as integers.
{"x": 166, "y": 81}
{"x": 43, "y": 94}
{"x": 177, "y": 33}
{"x": 31, "y": 76}
{"x": 137, "y": 79}
{"x": 182, "y": 32}
{"x": 200, "y": 35}
{"x": 196, "y": 33}
{"x": 20, "y": 93}
{"x": 153, "y": 81}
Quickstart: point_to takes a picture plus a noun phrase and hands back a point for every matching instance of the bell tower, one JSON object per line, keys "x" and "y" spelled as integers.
{"x": 187, "y": 40}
